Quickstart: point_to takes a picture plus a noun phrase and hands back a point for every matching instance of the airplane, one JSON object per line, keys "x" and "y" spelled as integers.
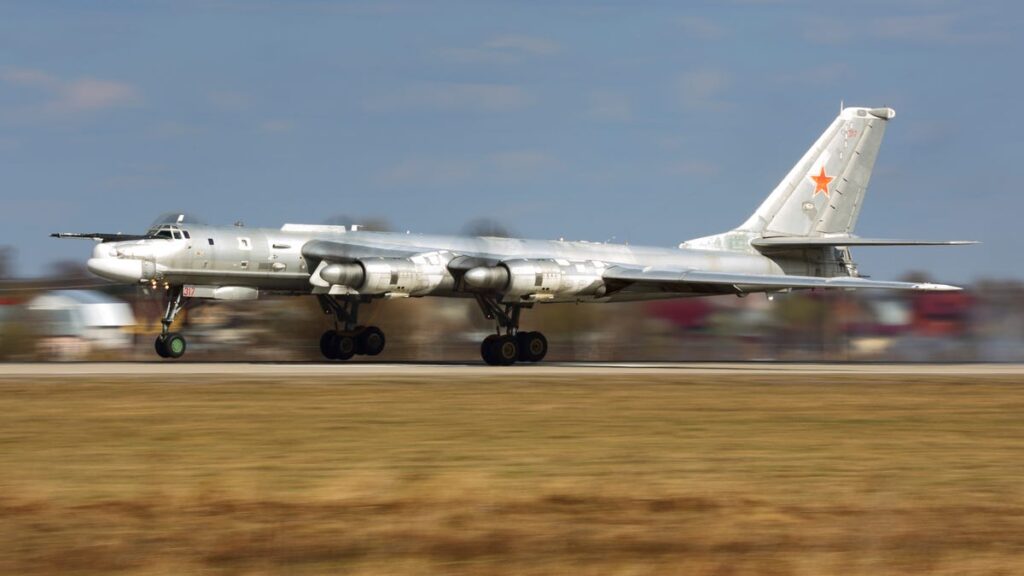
{"x": 799, "y": 238}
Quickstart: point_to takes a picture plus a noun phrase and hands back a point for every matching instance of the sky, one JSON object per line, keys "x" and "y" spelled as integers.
{"x": 639, "y": 122}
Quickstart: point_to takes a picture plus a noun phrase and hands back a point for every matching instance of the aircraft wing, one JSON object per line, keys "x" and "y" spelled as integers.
{"x": 343, "y": 252}
{"x": 791, "y": 242}
{"x": 99, "y": 236}
{"x": 698, "y": 281}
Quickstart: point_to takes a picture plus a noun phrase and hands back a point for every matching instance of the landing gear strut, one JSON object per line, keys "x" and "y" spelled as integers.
{"x": 505, "y": 349}
{"x": 348, "y": 338}
{"x": 171, "y": 344}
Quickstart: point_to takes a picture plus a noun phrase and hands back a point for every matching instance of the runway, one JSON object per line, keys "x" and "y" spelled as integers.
{"x": 464, "y": 370}
{"x": 528, "y": 469}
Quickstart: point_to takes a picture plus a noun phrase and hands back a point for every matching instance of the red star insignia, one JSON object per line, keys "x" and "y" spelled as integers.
{"x": 821, "y": 182}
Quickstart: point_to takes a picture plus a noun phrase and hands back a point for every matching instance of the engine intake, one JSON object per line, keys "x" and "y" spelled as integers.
{"x": 398, "y": 276}
{"x": 525, "y": 277}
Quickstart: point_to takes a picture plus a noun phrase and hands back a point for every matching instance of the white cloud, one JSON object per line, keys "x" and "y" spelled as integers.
{"x": 457, "y": 96}
{"x": 703, "y": 89}
{"x": 505, "y": 49}
{"x": 73, "y": 96}
{"x": 94, "y": 94}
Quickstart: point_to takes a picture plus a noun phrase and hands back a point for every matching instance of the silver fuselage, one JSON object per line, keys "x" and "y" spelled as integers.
{"x": 272, "y": 260}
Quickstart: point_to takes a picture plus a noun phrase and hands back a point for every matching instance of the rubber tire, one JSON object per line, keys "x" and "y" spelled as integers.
{"x": 356, "y": 333}
{"x": 533, "y": 346}
{"x": 486, "y": 351}
{"x": 328, "y": 345}
{"x": 158, "y": 345}
{"x": 505, "y": 350}
{"x": 175, "y": 345}
{"x": 371, "y": 341}
{"x": 345, "y": 346}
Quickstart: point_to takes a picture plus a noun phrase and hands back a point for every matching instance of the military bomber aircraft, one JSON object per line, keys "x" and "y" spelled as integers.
{"x": 799, "y": 238}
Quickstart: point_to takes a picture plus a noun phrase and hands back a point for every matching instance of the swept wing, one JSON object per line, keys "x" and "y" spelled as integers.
{"x": 698, "y": 281}
{"x": 791, "y": 242}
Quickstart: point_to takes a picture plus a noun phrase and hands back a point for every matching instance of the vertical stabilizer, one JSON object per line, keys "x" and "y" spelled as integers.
{"x": 823, "y": 193}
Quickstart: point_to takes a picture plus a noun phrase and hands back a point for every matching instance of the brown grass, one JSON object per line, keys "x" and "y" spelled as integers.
{"x": 670, "y": 474}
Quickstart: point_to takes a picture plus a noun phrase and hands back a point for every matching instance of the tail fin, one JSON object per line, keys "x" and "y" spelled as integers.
{"x": 824, "y": 192}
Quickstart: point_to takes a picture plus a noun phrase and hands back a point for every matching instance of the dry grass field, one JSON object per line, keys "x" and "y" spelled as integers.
{"x": 668, "y": 474}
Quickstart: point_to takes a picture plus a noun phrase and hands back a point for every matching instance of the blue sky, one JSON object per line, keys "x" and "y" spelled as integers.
{"x": 644, "y": 122}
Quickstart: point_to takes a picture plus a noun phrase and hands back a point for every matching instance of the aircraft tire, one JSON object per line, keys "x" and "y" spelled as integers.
{"x": 370, "y": 341}
{"x": 328, "y": 346}
{"x": 161, "y": 349}
{"x": 486, "y": 350}
{"x": 175, "y": 345}
{"x": 345, "y": 346}
{"x": 533, "y": 346}
{"x": 505, "y": 350}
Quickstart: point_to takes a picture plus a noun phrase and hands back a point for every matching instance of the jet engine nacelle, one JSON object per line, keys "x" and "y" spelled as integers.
{"x": 540, "y": 279}
{"x": 399, "y": 276}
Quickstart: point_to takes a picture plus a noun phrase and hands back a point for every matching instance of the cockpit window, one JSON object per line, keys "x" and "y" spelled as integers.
{"x": 169, "y": 233}
{"x": 186, "y": 235}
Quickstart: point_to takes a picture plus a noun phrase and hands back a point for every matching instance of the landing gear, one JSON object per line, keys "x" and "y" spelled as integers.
{"x": 171, "y": 344}
{"x": 533, "y": 346}
{"x": 348, "y": 339}
{"x": 505, "y": 349}
{"x": 370, "y": 341}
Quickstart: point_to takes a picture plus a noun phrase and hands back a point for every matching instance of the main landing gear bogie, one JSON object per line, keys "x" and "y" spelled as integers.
{"x": 513, "y": 346}
{"x": 507, "y": 349}
{"x": 348, "y": 339}
{"x": 344, "y": 344}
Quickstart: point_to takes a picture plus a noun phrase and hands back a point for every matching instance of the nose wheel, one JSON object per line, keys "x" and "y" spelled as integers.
{"x": 171, "y": 344}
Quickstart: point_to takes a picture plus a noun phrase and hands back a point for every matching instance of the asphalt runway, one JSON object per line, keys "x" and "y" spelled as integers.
{"x": 463, "y": 370}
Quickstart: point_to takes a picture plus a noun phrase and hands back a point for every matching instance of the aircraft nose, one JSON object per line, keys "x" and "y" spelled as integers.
{"x": 117, "y": 269}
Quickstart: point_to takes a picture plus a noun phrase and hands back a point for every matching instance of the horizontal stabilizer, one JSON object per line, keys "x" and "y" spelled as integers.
{"x": 790, "y": 242}
{"x": 701, "y": 281}
{"x": 98, "y": 236}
